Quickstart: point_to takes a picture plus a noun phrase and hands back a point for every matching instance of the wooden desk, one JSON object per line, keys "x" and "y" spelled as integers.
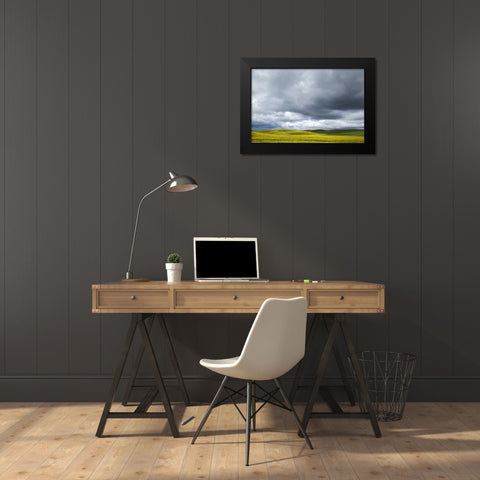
{"x": 149, "y": 298}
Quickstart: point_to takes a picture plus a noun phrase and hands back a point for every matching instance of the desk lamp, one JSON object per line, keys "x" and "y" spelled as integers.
{"x": 176, "y": 183}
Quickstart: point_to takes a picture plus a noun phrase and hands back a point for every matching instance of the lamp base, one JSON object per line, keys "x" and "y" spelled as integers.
{"x": 135, "y": 280}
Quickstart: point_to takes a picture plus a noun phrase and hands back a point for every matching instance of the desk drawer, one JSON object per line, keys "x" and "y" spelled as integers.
{"x": 132, "y": 299}
{"x": 340, "y": 299}
{"x": 221, "y": 299}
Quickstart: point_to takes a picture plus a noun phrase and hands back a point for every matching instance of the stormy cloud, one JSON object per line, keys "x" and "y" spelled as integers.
{"x": 307, "y": 99}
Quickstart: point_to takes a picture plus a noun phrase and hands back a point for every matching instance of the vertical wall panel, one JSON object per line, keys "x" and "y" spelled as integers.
{"x": 181, "y": 153}
{"x": 372, "y": 174}
{"x": 181, "y": 130}
{"x": 308, "y": 182}
{"x": 116, "y": 162}
{"x": 212, "y": 101}
{"x": 309, "y": 170}
{"x": 244, "y": 170}
{"x": 244, "y": 181}
{"x": 52, "y": 187}
{"x": 437, "y": 186}
{"x": 20, "y": 186}
{"x": 276, "y": 239}
{"x": 340, "y": 173}
{"x": 149, "y": 170}
{"x": 308, "y": 29}
{"x": 84, "y": 184}
{"x": 2, "y": 188}
{"x": 404, "y": 177}
{"x": 149, "y": 135}
{"x": 340, "y": 222}
{"x": 466, "y": 175}
{"x": 212, "y": 118}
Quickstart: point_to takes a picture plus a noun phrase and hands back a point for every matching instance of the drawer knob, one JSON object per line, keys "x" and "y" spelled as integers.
{"x": 133, "y": 297}
{"x": 341, "y": 297}
{"x": 235, "y": 297}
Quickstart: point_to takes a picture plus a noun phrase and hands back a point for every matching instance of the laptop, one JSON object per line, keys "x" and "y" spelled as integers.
{"x": 226, "y": 259}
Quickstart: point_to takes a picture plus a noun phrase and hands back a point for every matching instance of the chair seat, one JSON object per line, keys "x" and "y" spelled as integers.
{"x": 231, "y": 367}
{"x": 212, "y": 364}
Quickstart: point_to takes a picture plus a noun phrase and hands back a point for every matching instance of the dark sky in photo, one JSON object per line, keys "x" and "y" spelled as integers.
{"x": 307, "y": 99}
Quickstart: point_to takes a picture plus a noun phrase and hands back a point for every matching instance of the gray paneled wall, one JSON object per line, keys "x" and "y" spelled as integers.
{"x": 100, "y": 98}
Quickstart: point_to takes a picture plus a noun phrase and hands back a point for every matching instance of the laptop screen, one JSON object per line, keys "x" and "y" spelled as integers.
{"x": 225, "y": 258}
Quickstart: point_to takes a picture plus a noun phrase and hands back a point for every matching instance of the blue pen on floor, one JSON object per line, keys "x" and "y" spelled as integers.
{"x": 187, "y": 420}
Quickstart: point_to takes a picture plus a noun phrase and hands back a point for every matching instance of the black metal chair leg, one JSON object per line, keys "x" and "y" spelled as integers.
{"x": 254, "y": 408}
{"x": 210, "y": 408}
{"x": 290, "y": 406}
{"x": 248, "y": 421}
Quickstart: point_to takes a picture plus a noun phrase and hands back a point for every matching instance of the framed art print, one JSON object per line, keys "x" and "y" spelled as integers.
{"x": 307, "y": 106}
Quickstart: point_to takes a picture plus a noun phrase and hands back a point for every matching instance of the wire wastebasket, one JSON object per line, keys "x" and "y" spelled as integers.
{"x": 387, "y": 376}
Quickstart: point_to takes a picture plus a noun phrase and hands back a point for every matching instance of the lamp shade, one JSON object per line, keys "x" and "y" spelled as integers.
{"x": 181, "y": 183}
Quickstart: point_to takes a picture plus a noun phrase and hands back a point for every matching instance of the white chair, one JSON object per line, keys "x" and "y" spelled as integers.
{"x": 275, "y": 344}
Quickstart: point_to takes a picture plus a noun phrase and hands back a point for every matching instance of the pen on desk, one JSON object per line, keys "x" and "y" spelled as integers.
{"x": 308, "y": 281}
{"x": 187, "y": 420}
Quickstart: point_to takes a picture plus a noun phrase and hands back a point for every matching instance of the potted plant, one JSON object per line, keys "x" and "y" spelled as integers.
{"x": 174, "y": 268}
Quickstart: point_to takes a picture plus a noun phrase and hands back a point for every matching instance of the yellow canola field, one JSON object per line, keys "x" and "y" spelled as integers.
{"x": 305, "y": 136}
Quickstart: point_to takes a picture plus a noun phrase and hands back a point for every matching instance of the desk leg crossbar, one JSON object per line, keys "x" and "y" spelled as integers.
{"x": 143, "y": 322}
{"x": 337, "y": 327}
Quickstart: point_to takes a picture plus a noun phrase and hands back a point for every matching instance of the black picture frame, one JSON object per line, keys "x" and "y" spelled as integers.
{"x": 249, "y": 146}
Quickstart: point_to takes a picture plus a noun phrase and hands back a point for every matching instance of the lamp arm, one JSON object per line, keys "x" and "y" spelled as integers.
{"x": 136, "y": 223}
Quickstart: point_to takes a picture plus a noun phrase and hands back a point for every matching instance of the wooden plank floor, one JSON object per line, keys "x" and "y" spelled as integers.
{"x": 57, "y": 442}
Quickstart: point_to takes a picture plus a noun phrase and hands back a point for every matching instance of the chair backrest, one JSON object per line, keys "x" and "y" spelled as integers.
{"x": 276, "y": 341}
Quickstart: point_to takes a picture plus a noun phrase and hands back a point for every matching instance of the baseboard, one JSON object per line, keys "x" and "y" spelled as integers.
{"x": 202, "y": 389}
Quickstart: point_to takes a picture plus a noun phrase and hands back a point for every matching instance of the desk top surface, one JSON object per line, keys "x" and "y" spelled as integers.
{"x": 157, "y": 284}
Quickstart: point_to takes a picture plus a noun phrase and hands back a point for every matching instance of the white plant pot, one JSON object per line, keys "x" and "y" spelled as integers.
{"x": 174, "y": 272}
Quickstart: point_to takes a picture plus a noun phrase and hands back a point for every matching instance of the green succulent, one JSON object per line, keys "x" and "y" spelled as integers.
{"x": 174, "y": 258}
